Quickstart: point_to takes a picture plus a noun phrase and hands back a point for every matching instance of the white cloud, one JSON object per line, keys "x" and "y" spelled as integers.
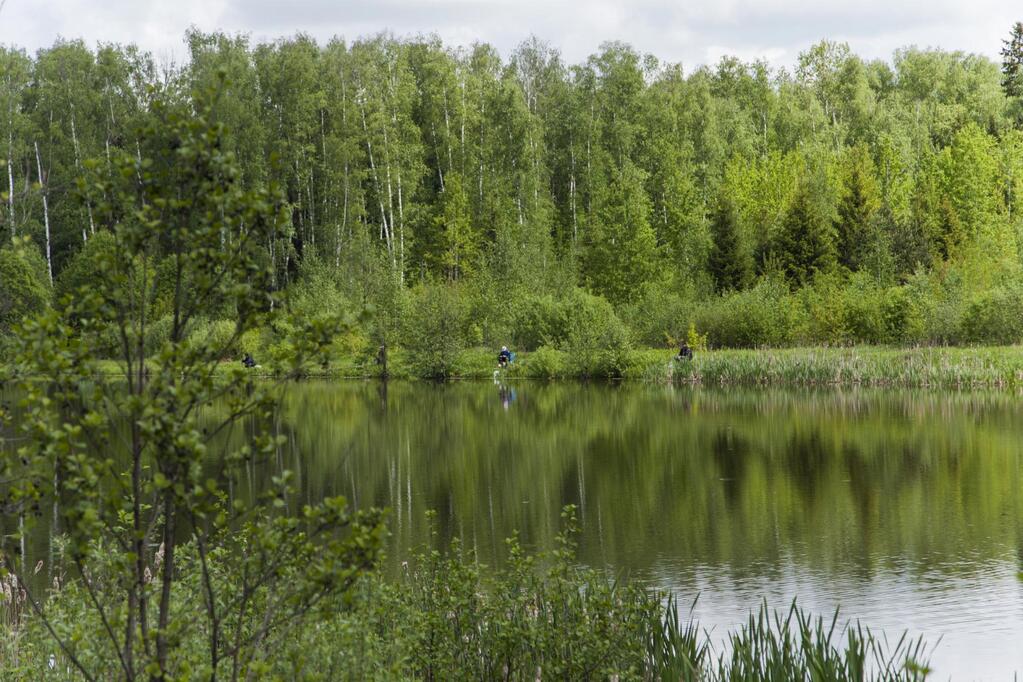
{"x": 692, "y": 32}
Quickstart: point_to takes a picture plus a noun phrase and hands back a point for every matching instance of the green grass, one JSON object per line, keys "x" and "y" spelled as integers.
{"x": 925, "y": 367}
{"x": 982, "y": 367}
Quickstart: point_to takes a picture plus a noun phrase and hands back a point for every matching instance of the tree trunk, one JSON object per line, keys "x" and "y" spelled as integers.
{"x": 10, "y": 168}
{"x": 46, "y": 212}
{"x": 78, "y": 166}
{"x": 386, "y": 233}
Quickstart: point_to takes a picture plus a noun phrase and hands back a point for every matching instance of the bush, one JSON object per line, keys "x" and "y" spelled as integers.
{"x": 597, "y": 342}
{"x": 435, "y": 330}
{"x": 86, "y": 266}
{"x": 475, "y": 362}
{"x": 315, "y": 293}
{"x": 157, "y": 334}
{"x": 24, "y": 288}
{"x": 660, "y": 318}
{"x": 538, "y": 321}
{"x": 218, "y": 336}
{"x": 901, "y": 316}
{"x": 762, "y": 315}
{"x": 544, "y": 363}
{"x": 995, "y": 316}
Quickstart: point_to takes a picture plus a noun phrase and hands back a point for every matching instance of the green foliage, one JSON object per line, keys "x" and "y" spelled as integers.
{"x": 660, "y": 317}
{"x": 596, "y": 341}
{"x": 761, "y": 316}
{"x": 458, "y": 246}
{"x": 436, "y": 330}
{"x": 621, "y": 247}
{"x": 544, "y": 363}
{"x": 729, "y": 262}
{"x": 146, "y": 516}
{"x": 538, "y": 320}
{"x": 86, "y": 266}
{"x": 806, "y": 243}
{"x": 447, "y": 616}
{"x": 24, "y": 289}
{"x": 995, "y": 316}
{"x": 1012, "y": 62}
{"x": 403, "y": 161}
{"x": 857, "y": 227}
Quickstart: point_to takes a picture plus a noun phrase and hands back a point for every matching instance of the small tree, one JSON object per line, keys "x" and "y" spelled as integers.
{"x": 807, "y": 243}
{"x": 621, "y": 254}
{"x": 180, "y": 576}
{"x": 458, "y": 241}
{"x": 730, "y": 264}
{"x": 1012, "y": 71}
{"x": 24, "y": 288}
{"x": 1012, "y": 62}
{"x": 857, "y": 233}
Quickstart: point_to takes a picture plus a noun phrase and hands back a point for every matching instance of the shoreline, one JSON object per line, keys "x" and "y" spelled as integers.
{"x": 940, "y": 367}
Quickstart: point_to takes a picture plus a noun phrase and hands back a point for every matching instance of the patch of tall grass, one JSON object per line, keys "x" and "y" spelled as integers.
{"x": 1000, "y": 367}
{"x": 539, "y": 616}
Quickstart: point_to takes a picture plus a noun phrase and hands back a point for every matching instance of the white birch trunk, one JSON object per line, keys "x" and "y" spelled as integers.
{"x": 46, "y": 212}
{"x": 447, "y": 129}
{"x": 385, "y": 231}
{"x": 571, "y": 191}
{"x": 78, "y": 166}
{"x": 390, "y": 188}
{"x": 10, "y": 163}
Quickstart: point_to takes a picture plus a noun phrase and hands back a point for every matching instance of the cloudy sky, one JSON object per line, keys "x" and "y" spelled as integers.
{"x": 690, "y": 31}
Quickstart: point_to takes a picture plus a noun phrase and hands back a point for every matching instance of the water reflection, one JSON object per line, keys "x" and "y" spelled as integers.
{"x": 902, "y": 507}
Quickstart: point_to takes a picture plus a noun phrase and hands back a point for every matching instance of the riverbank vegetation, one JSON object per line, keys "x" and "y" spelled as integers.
{"x": 255, "y": 199}
{"x": 471, "y": 199}
{"x": 893, "y": 367}
{"x": 447, "y": 616}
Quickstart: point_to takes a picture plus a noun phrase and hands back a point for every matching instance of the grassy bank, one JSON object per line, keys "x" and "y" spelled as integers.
{"x": 935, "y": 367}
{"x": 925, "y": 367}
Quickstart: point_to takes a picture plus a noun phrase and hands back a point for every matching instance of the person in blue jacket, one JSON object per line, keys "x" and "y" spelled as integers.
{"x": 504, "y": 358}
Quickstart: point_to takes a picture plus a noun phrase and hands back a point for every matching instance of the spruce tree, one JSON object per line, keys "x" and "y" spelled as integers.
{"x": 806, "y": 244}
{"x": 1012, "y": 62}
{"x": 857, "y": 234}
{"x": 729, "y": 262}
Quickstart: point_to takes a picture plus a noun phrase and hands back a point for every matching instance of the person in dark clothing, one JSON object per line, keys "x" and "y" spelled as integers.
{"x": 685, "y": 352}
{"x": 249, "y": 361}
{"x": 504, "y": 358}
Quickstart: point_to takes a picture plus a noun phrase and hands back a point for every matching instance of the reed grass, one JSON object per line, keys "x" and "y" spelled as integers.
{"x": 539, "y": 616}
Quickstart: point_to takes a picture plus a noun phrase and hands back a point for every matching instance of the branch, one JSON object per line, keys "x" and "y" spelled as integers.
{"x": 65, "y": 649}
{"x": 129, "y": 674}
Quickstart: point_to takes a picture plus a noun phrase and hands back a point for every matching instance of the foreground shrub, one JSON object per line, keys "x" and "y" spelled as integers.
{"x": 446, "y": 616}
{"x": 24, "y": 288}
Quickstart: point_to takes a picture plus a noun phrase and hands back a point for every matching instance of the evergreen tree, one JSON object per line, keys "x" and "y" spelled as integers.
{"x": 729, "y": 263}
{"x": 1012, "y": 62}
{"x": 857, "y": 236}
{"x": 806, "y": 243}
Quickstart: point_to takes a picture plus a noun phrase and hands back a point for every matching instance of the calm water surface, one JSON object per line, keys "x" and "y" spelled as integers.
{"x": 903, "y": 508}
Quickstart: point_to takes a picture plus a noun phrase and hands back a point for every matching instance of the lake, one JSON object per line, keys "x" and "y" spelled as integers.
{"x": 904, "y": 508}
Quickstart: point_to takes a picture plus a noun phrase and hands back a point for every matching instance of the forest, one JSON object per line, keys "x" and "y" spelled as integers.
{"x": 469, "y": 199}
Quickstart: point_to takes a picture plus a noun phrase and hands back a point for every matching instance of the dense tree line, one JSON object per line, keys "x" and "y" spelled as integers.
{"x": 410, "y": 164}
